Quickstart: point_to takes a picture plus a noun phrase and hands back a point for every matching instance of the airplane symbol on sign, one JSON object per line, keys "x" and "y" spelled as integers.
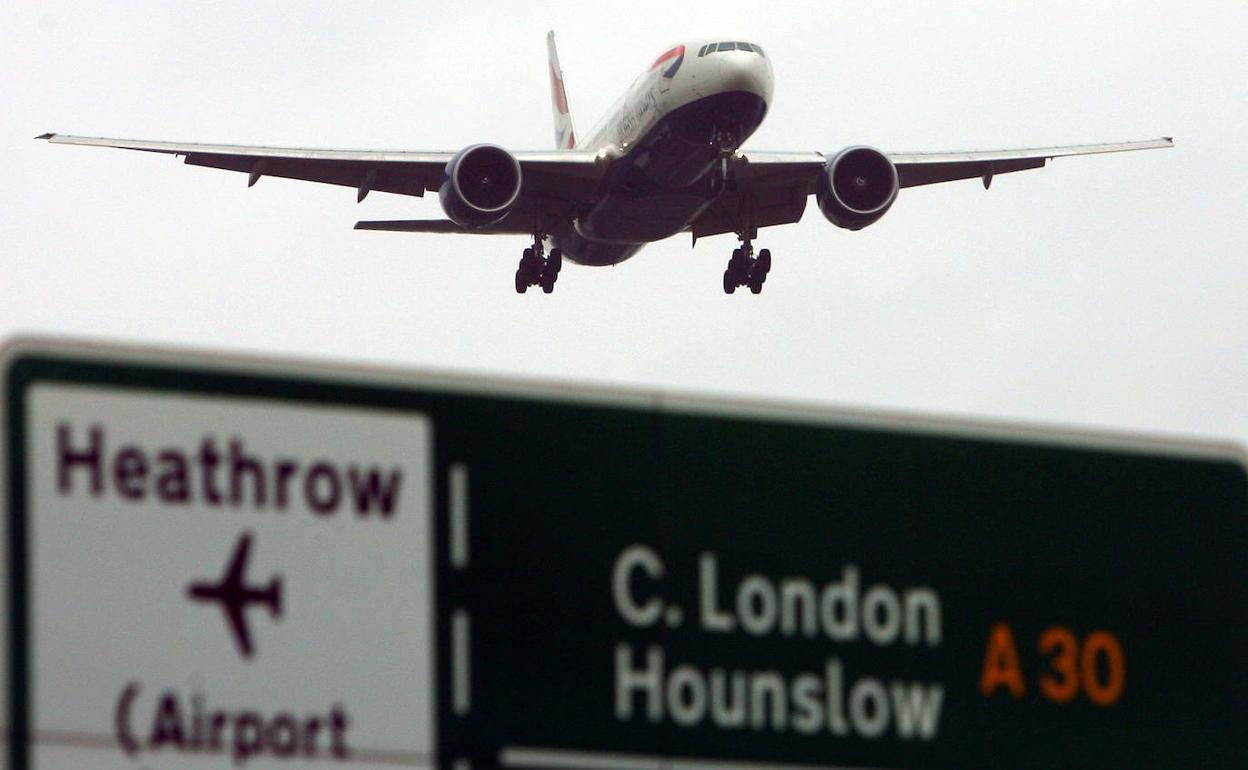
{"x": 234, "y": 595}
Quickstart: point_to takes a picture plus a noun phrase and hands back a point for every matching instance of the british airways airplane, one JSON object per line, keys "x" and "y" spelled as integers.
{"x": 667, "y": 159}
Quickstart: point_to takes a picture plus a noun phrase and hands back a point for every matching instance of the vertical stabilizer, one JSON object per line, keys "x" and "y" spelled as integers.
{"x": 565, "y": 134}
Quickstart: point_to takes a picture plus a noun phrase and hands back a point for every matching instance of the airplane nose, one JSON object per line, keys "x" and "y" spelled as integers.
{"x": 745, "y": 71}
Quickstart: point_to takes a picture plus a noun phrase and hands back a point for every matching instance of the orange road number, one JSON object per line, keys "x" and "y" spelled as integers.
{"x": 1096, "y": 667}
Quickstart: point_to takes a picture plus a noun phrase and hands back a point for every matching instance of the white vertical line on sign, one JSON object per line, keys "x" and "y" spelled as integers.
{"x": 459, "y": 515}
{"x": 461, "y": 692}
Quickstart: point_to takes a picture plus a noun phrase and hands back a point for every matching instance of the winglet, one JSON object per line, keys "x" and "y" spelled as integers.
{"x": 565, "y": 134}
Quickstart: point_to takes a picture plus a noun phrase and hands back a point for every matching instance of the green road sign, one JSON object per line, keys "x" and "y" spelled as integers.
{"x": 252, "y": 561}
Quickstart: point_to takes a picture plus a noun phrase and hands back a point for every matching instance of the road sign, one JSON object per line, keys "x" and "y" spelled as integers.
{"x": 222, "y": 562}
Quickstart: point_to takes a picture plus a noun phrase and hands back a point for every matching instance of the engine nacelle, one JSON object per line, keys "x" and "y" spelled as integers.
{"x": 480, "y": 185}
{"x": 857, "y": 186}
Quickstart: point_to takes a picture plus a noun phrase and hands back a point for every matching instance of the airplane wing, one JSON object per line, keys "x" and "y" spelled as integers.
{"x": 238, "y": 626}
{"x": 233, "y": 577}
{"x": 552, "y": 179}
{"x": 774, "y": 186}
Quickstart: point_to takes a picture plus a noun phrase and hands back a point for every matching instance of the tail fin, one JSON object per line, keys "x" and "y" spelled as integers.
{"x": 565, "y": 134}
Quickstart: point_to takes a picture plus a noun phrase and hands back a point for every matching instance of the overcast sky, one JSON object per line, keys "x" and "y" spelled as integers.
{"x": 1106, "y": 291}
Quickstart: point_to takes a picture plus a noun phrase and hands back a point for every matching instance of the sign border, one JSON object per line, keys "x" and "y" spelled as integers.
{"x": 26, "y": 360}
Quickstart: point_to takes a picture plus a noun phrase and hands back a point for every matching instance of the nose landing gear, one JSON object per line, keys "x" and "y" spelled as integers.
{"x": 744, "y": 269}
{"x": 537, "y": 269}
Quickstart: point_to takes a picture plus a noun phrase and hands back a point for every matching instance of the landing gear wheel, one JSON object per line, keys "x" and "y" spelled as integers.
{"x": 548, "y": 276}
{"x": 758, "y": 271}
{"x": 744, "y": 269}
{"x": 739, "y": 266}
{"x": 527, "y": 271}
{"x": 537, "y": 268}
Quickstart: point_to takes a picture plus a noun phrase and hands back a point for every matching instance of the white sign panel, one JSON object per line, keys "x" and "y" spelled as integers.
{"x": 217, "y": 582}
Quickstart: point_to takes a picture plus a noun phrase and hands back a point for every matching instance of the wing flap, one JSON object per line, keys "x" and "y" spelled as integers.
{"x": 916, "y": 174}
{"x": 392, "y": 177}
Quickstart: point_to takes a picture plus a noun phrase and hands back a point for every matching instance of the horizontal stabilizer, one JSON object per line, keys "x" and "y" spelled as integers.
{"x": 432, "y": 226}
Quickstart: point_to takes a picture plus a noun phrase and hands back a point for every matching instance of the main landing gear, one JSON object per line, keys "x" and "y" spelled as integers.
{"x": 744, "y": 269}
{"x": 537, "y": 269}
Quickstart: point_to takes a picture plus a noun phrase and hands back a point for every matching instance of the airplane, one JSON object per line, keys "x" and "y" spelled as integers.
{"x": 234, "y": 595}
{"x": 667, "y": 159}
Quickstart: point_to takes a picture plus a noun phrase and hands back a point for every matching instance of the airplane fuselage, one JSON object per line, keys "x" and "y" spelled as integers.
{"x": 667, "y": 137}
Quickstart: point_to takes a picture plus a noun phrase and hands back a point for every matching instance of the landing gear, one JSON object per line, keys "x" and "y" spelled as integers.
{"x": 536, "y": 269}
{"x": 744, "y": 269}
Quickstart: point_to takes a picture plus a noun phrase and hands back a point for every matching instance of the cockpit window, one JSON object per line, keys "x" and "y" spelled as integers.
{"x": 711, "y": 48}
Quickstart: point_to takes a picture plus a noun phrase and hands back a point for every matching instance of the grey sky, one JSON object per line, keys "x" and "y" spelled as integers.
{"x": 1100, "y": 291}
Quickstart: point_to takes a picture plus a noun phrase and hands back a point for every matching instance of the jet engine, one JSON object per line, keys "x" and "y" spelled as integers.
{"x": 480, "y": 185}
{"x": 857, "y": 186}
